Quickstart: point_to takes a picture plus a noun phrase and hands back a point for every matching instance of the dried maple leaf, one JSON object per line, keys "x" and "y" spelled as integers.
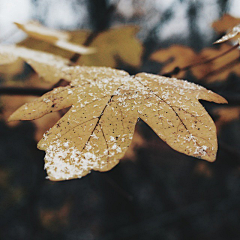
{"x": 178, "y": 56}
{"x": 57, "y": 38}
{"x": 226, "y": 115}
{"x": 112, "y": 45}
{"x": 105, "y": 106}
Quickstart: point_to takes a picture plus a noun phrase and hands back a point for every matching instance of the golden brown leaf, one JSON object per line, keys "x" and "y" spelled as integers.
{"x": 178, "y": 56}
{"x": 225, "y": 23}
{"x": 105, "y": 106}
{"x": 57, "y": 38}
{"x": 116, "y": 43}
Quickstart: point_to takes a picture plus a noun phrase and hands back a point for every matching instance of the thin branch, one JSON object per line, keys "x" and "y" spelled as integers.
{"x": 221, "y": 69}
{"x": 176, "y": 70}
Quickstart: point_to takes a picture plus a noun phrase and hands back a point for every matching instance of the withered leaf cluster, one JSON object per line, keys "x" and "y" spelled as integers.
{"x": 210, "y": 64}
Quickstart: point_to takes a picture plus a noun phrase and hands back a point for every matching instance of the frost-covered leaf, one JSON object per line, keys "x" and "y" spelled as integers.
{"x": 105, "y": 105}
{"x": 58, "y": 38}
{"x": 230, "y": 35}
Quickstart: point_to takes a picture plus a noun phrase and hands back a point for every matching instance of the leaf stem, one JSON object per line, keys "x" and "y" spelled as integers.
{"x": 221, "y": 69}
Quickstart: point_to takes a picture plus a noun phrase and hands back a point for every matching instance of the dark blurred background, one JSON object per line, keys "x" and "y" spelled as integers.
{"x": 155, "y": 192}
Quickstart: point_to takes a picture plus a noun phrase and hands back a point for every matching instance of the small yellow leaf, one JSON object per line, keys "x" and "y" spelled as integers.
{"x": 113, "y": 44}
{"x": 57, "y": 38}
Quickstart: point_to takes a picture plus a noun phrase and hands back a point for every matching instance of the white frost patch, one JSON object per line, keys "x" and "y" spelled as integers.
{"x": 112, "y": 138}
{"x": 70, "y": 91}
{"x": 46, "y": 100}
{"x": 64, "y": 162}
{"x": 200, "y": 150}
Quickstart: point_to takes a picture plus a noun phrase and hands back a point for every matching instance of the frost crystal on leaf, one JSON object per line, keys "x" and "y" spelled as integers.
{"x": 232, "y": 34}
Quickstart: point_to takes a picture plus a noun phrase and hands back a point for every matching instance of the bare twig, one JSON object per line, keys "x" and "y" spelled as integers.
{"x": 176, "y": 70}
{"x": 221, "y": 69}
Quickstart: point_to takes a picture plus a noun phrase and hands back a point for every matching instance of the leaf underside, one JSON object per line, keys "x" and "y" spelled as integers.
{"x": 105, "y": 105}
